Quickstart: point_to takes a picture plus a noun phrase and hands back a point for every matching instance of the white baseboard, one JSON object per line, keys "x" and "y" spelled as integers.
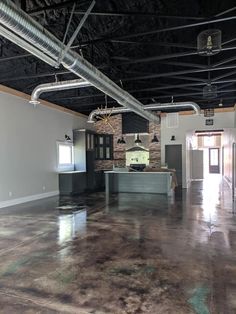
{"x": 26, "y": 199}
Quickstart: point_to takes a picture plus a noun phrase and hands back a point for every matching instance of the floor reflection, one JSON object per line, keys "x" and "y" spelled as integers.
{"x": 211, "y": 197}
{"x": 71, "y": 225}
{"x": 141, "y": 253}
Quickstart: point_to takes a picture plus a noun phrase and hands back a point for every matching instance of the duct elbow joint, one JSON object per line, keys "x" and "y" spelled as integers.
{"x": 34, "y": 102}
{"x": 90, "y": 121}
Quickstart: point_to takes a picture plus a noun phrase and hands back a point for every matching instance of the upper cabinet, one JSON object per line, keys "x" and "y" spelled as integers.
{"x": 83, "y": 145}
{"x": 103, "y": 144}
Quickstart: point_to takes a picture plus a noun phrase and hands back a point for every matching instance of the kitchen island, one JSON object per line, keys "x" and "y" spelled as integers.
{"x": 139, "y": 182}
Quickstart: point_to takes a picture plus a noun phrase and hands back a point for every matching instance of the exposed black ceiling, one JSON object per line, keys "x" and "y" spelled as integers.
{"x": 149, "y": 47}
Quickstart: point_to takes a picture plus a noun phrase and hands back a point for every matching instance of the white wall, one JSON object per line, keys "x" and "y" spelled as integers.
{"x": 189, "y": 123}
{"x": 28, "y": 150}
{"x": 229, "y": 137}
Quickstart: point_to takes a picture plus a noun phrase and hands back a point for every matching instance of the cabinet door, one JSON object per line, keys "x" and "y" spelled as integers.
{"x": 108, "y": 147}
{"x": 104, "y": 146}
{"x": 89, "y": 141}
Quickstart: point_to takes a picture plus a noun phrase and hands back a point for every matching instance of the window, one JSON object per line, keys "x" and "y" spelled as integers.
{"x": 209, "y": 141}
{"x": 65, "y": 156}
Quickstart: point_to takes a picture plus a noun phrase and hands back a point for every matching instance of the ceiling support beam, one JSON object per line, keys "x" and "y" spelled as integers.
{"x": 57, "y": 6}
{"x": 189, "y": 78}
{"x": 223, "y": 76}
{"x": 150, "y": 89}
{"x": 162, "y": 30}
{"x": 167, "y": 74}
{"x": 194, "y": 94}
{"x": 131, "y": 13}
{"x": 165, "y": 57}
{"x": 155, "y": 44}
{"x": 186, "y": 64}
{"x": 133, "y": 61}
{"x": 228, "y": 41}
{"x": 225, "y": 12}
{"x": 224, "y": 61}
{"x": 76, "y": 32}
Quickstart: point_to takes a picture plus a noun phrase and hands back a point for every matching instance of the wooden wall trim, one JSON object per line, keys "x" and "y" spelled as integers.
{"x": 14, "y": 92}
{"x": 191, "y": 112}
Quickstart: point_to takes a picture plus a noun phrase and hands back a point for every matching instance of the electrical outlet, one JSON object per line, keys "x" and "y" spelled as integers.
{"x": 10, "y": 194}
{"x": 44, "y": 188}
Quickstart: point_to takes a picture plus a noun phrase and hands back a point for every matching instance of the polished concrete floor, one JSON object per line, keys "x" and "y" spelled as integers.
{"x": 136, "y": 254}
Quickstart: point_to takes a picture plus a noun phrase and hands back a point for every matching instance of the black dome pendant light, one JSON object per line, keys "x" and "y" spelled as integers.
{"x": 121, "y": 140}
{"x": 138, "y": 141}
{"x": 155, "y": 139}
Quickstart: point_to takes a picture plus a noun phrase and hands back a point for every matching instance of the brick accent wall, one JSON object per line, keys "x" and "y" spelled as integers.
{"x": 119, "y": 149}
{"x": 154, "y": 148}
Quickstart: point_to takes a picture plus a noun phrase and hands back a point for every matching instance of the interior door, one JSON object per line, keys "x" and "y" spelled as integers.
{"x": 214, "y": 160}
{"x": 173, "y": 158}
{"x": 197, "y": 165}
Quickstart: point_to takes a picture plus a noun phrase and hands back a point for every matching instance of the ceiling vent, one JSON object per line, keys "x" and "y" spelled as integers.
{"x": 209, "y": 42}
{"x": 172, "y": 120}
{"x": 210, "y": 91}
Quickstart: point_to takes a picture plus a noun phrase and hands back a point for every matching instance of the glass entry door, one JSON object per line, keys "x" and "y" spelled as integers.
{"x": 214, "y": 160}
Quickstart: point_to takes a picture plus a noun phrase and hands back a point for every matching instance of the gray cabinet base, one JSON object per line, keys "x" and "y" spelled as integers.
{"x": 72, "y": 183}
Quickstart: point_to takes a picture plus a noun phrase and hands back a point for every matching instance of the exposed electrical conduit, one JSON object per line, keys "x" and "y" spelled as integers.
{"x": 18, "y": 22}
{"x": 171, "y": 105}
{"x": 56, "y": 86}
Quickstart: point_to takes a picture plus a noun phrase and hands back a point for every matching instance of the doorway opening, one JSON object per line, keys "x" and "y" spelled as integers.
{"x": 210, "y": 144}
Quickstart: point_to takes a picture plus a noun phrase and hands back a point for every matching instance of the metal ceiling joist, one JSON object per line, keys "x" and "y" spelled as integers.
{"x": 185, "y": 64}
{"x": 167, "y": 74}
{"x": 188, "y": 78}
{"x": 150, "y": 89}
{"x": 151, "y": 43}
{"x": 195, "y": 94}
{"x": 76, "y": 32}
{"x": 164, "y": 57}
{"x": 224, "y": 61}
{"x": 55, "y": 6}
{"x": 162, "y": 30}
{"x": 131, "y": 13}
{"x": 225, "y": 12}
{"x": 228, "y": 41}
{"x": 223, "y": 75}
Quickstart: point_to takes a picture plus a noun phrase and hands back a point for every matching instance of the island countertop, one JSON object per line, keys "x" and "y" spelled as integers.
{"x": 140, "y": 172}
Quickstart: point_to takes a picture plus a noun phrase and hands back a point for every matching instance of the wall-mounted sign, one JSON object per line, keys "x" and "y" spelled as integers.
{"x": 209, "y": 122}
{"x": 209, "y": 112}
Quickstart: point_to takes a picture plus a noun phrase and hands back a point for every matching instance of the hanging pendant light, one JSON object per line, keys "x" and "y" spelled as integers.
{"x": 155, "y": 139}
{"x": 138, "y": 141}
{"x": 121, "y": 140}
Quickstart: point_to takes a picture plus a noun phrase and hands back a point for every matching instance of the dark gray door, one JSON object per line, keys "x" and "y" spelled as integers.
{"x": 173, "y": 159}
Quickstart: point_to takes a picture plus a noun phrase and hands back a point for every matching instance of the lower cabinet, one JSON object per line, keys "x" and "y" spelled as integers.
{"x": 99, "y": 180}
{"x": 72, "y": 183}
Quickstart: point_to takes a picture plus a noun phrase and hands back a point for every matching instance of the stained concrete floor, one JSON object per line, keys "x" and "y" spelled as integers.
{"x": 137, "y": 254}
